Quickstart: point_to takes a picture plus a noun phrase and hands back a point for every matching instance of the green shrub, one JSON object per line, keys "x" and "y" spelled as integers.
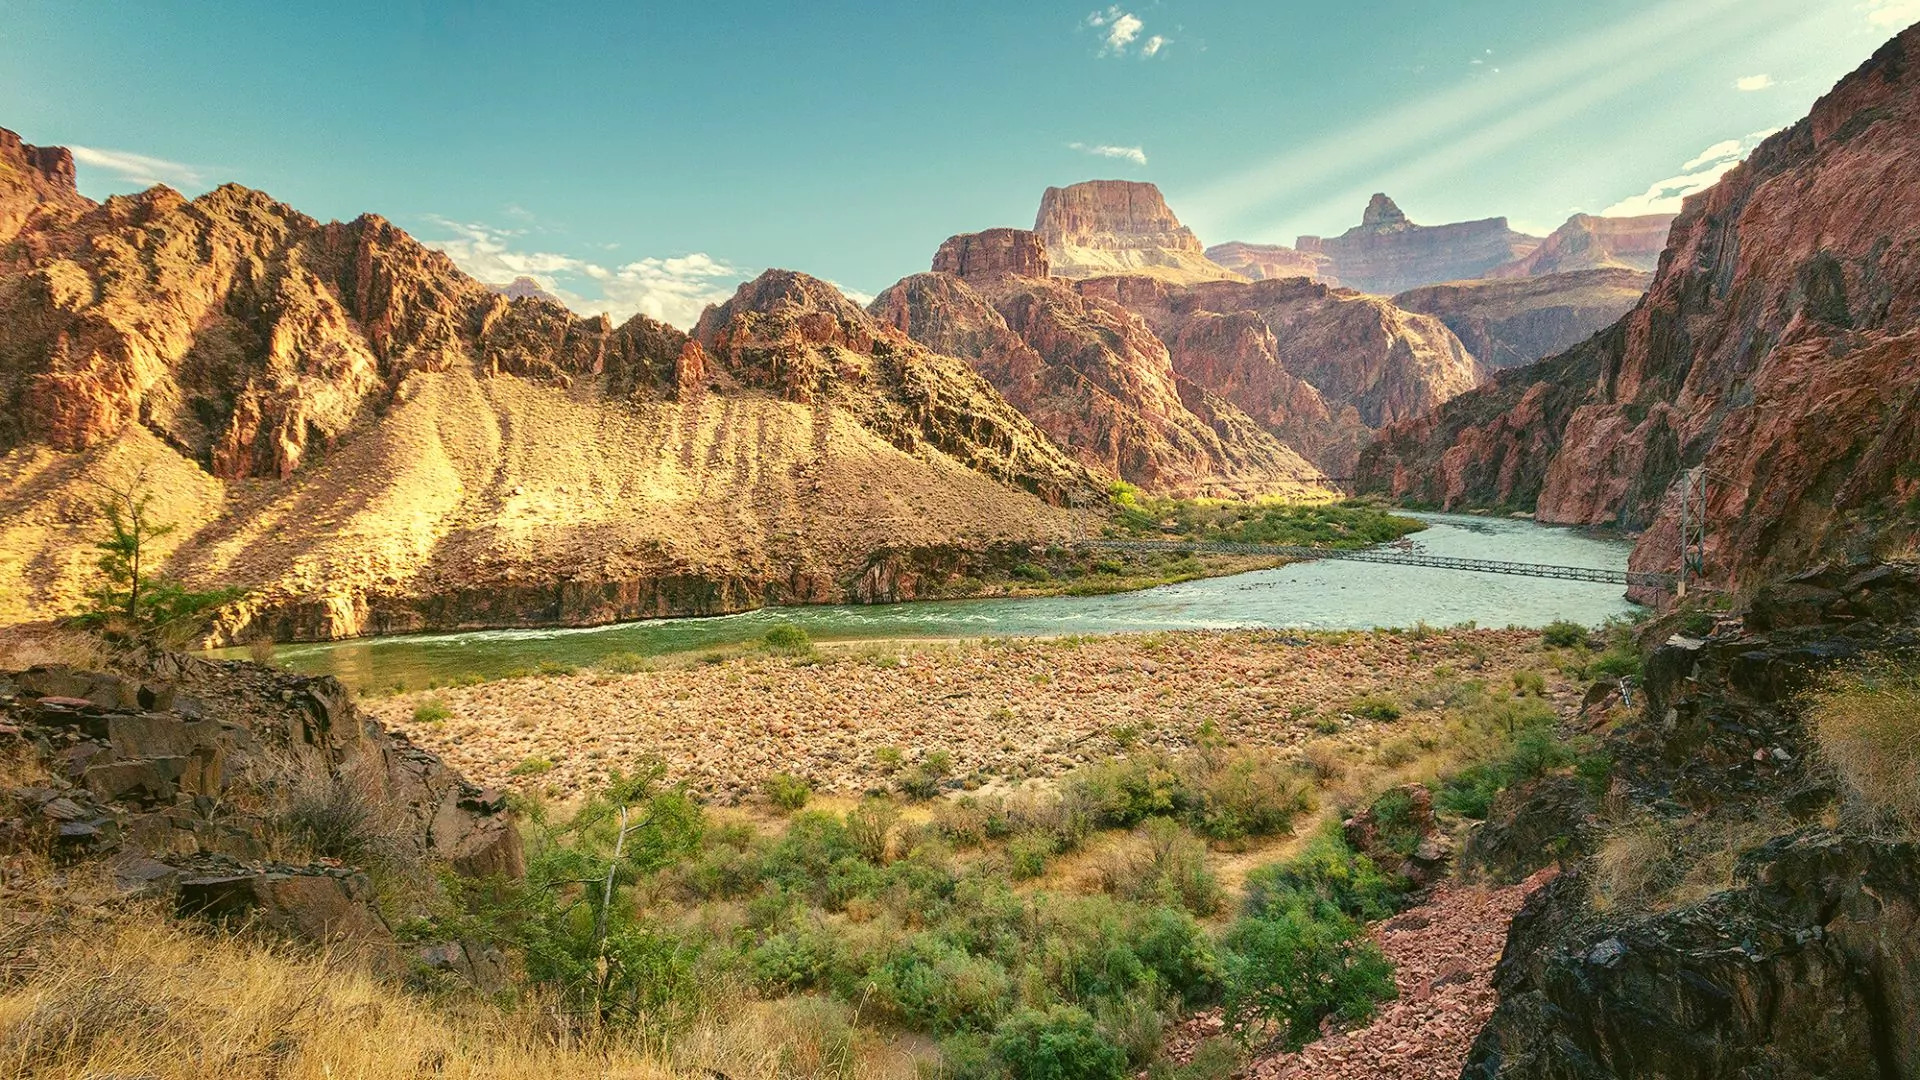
{"x": 1246, "y": 794}
{"x": 1529, "y": 684}
{"x": 533, "y": 766}
{"x": 1163, "y": 862}
{"x": 787, "y": 792}
{"x": 1375, "y": 707}
{"x": 1616, "y": 664}
{"x": 1287, "y": 972}
{"x": 1028, "y": 853}
{"x": 787, "y": 638}
{"x": 933, "y": 985}
{"x": 623, "y": 663}
{"x": 1061, "y": 1043}
{"x": 1029, "y": 572}
{"x": 1561, "y": 634}
{"x": 431, "y": 711}
{"x": 1326, "y": 879}
{"x": 555, "y": 668}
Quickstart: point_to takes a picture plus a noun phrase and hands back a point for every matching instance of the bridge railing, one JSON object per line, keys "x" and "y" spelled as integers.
{"x": 1399, "y": 557}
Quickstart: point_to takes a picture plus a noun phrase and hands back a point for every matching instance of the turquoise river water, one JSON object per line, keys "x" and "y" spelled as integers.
{"x": 1312, "y": 596}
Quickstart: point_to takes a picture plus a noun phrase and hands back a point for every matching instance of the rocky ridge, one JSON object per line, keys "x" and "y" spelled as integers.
{"x": 1387, "y": 253}
{"x": 1587, "y": 242}
{"x": 1776, "y": 350}
{"x": 1088, "y": 372}
{"x": 1514, "y": 322}
{"x": 458, "y": 457}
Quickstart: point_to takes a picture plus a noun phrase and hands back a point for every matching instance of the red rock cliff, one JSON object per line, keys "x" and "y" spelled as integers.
{"x": 1120, "y": 227}
{"x": 1778, "y": 348}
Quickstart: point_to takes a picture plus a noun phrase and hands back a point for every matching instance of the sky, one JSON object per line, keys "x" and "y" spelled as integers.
{"x": 650, "y": 156}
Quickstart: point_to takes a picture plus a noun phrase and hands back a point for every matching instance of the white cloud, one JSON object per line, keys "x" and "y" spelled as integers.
{"x": 1747, "y": 84}
{"x": 851, "y": 293}
{"x": 1120, "y": 29}
{"x": 673, "y": 290}
{"x": 1134, "y": 154}
{"x": 1704, "y": 171}
{"x": 1894, "y": 14}
{"x": 137, "y": 168}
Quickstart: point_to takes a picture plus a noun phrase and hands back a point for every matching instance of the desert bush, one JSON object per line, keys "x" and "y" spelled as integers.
{"x": 339, "y": 815}
{"x": 934, "y": 985}
{"x": 1561, "y": 634}
{"x": 623, "y": 663}
{"x": 1377, "y": 707}
{"x": 1634, "y": 864}
{"x": 1326, "y": 878}
{"x": 1865, "y": 723}
{"x": 870, "y": 828}
{"x": 1161, "y": 862}
{"x": 787, "y": 792}
{"x": 1287, "y": 972}
{"x": 1060, "y": 1043}
{"x": 1246, "y": 794}
{"x": 787, "y": 638}
{"x": 533, "y": 766}
{"x": 1529, "y": 684}
{"x": 431, "y": 711}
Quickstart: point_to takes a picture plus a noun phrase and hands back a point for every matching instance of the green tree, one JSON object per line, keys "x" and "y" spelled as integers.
{"x": 133, "y": 599}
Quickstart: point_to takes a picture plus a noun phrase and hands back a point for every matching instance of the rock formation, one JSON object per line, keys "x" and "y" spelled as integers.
{"x": 1120, "y": 227}
{"x": 524, "y": 288}
{"x": 455, "y": 457}
{"x": 187, "y": 779}
{"x": 1587, "y": 242}
{"x": 1511, "y": 323}
{"x": 1386, "y": 253}
{"x": 1776, "y": 349}
{"x": 1257, "y": 262}
{"x": 1088, "y": 372}
{"x": 1320, "y": 367}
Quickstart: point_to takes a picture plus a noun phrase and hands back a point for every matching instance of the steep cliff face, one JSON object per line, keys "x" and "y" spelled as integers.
{"x": 1514, "y": 322}
{"x": 1317, "y": 365}
{"x": 1258, "y": 262}
{"x": 1776, "y": 348}
{"x": 341, "y": 421}
{"x": 1090, "y": 374}
{"x": 1586, "y": 242}
{"x": 1120, "y": 227}
{"x": 1387, "y": 253}
{"x": 35, "y": 182}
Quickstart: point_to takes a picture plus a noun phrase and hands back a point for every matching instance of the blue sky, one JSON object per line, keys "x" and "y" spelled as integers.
{"x": 648, "y": 156}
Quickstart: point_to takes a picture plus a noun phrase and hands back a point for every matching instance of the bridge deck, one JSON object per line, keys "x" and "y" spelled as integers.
{"x": 1399, "y": 557}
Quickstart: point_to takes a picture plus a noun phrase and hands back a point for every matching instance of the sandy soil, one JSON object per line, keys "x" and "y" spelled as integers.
{"x": 1003, "y": 710}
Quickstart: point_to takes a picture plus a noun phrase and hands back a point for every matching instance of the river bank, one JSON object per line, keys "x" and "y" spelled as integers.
{"x": 1001, "y": 712}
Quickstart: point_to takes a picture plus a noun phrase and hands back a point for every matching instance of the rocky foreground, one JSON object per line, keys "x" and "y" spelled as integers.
{"x": 1003, "y": 711}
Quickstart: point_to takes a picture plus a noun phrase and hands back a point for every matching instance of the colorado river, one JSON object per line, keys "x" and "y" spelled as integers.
{"x": 1328, "y": 595}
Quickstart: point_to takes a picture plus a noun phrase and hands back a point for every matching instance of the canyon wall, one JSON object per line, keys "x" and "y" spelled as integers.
{"x": 1120, "y": 227}
{"x": 1776, "y": 350}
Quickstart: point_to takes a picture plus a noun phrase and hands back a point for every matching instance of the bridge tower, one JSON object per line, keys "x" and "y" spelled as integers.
{"x": 1693, "y": 528}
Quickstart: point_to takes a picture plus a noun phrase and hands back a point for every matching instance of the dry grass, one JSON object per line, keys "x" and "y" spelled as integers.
{"x": 1653, "y": 865}
{"x": 134, "y": 995}
{"x": 27, "y": 645}
{"x": 1866, "y": 724}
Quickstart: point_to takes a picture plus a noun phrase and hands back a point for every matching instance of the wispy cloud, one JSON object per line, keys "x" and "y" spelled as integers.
{"x": 1120, "y": 29}
{"x": 138, "y": 168}
{"x": 1321, "y": 181}
{"x": 674, "y": 290}
{"x": 851, "y": 293}
{"x": 1748, "y": 84}
{"x": 1134, "y": 154}
{"x": 1893, "y": 14}
{"x": 1704, "y": 171}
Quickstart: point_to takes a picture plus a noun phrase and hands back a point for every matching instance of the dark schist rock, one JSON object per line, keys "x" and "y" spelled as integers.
{"x": 171, "y": 776}
{"x": 1809, "y": 966}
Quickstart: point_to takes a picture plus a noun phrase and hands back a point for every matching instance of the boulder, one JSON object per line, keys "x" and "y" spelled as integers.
{"x": 1399, "y": 833}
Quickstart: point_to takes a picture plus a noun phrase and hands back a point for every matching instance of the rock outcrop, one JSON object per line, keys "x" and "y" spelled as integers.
{"x": 1258, "y": 262}
{"x": 1587, "y": 242}
{"x": 1512, "y": 323}
{"x": 456, "y": 457}
{"x": 1776, "y": 349}
{"x": 1387, "y": 253}
{"x": 243, "y": 792}
{"x": 524, "y": 288}
{"x": 1807, "y": 963}
{"x": 1088, "y": 372}
{"x": 1120, "y": 227}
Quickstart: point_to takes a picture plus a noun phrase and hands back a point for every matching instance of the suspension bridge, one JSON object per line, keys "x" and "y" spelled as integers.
{"x": 1393, "y": 555}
